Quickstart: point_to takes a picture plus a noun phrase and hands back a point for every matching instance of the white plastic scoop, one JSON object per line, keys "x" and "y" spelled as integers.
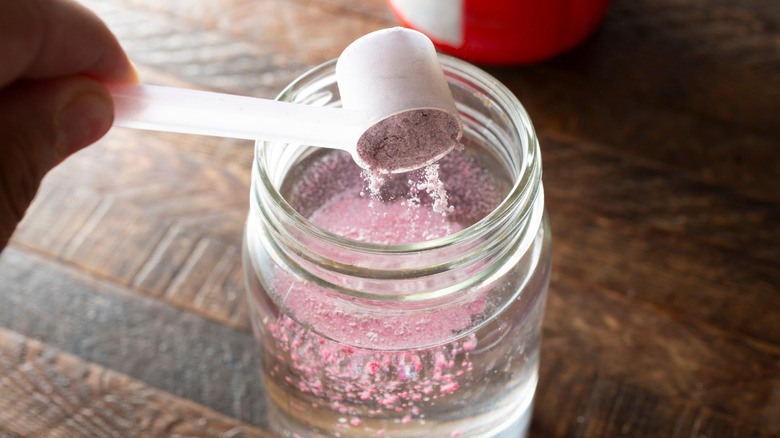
{"x": 398, "y": 113}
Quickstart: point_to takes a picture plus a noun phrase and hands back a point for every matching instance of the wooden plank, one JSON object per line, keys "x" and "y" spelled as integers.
{"x": 719, "y": 286}
{"x": 632, "y": 411}
{"x": 197, "y": 52}
{"x": 211, "y": 282}
{"x": 164, "y": 347}
{"x": 233, "y": 45}
{"x": 55, "y": 216}
{"x": 377, "y": 10}
{"x": 114, "y": 231}
{"x": 45, "y": 392}
{"x": 104, "y": 324}
{"x": 571, "y": 108}
{"x": 166, "y": 261}
{"x": 656, "y": 236}
{"x": 675, "y": 358}
{"x": 616, "y": 186}
{"x": 284, "y": 26}
{"x": 714, "y": 57}
{"x": 169, "y": 349}
{"x": 575, "y": 401}
{"x": 135, "y": 214}
{"x": 560, "y": 395}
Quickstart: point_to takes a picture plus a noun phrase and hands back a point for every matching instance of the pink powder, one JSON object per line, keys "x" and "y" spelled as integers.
{"x": 370, "y": 357}
{"x": 358, "y": 358}
{"x": 340, "y": 321}
{"x": 358, "y": 217}
{"x": 472, "y": 191}
{"x": 435, "y": 189}
{"x": 362, "y": 218}
{"x": 401, "y": 380}
{"x": 408, "y": 140}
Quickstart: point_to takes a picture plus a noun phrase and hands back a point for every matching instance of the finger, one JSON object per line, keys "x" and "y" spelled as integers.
{"x": 41, "y": 123}
{"x": 51, "y": 38}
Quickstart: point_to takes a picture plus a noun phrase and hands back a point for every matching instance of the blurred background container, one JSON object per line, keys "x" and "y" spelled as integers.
{"x": 502, "y": 32}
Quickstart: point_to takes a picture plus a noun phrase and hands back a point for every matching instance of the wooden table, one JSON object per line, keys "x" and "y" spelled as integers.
{"x": 122, "y": 307}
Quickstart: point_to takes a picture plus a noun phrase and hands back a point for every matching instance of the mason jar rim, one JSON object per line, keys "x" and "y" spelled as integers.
{"x": 519, "y": 201}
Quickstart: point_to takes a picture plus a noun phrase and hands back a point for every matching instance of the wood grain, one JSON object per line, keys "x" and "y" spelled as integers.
{"x": 175, "y": 351}
{"x": 197, "y": 52}
{"x": 659, "y": 141}
{"x": 47, "y": 393}
{"x": 566, "y": 106}
{"x": 675, "y": 274}
{"x": 236, "y": 45}
{"x": 212, "y": 282}
{"x": 657, "y": 197}
{"x": 673, "y": 357}
{"x": 112, "y": 328}
{"x": 726, "y": 56}
{"x": 574, "y": 402}
{"x": 656, "y": 236}
{"x": 140, "y": 224}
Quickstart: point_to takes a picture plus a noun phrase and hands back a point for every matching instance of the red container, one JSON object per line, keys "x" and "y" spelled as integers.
{"x": 502, "y": 32}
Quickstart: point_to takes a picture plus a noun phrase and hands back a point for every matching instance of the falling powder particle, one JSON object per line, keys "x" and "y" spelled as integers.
{"x": 435, "y": 189}
{"x": 375, "y": 180}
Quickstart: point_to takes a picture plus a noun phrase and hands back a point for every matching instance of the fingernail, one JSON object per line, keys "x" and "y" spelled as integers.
{"x": 136, "y": 77}
{"x": 83, "y": 120}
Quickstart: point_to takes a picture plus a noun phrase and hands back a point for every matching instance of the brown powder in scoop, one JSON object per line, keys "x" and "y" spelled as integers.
{"x": 408, "y": 140}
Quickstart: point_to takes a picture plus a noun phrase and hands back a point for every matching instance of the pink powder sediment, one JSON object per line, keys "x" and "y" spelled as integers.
{"x": 350, "y": 216}
{"x": 360, "y": 358}
{"x": 340, "y": 321}
{"x": 400, "y": 380}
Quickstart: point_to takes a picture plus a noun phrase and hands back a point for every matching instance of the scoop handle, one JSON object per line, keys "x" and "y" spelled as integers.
{"x": 224, "y": 115}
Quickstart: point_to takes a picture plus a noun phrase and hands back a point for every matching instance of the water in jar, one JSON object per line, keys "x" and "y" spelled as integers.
{"x": 469, "y": 369}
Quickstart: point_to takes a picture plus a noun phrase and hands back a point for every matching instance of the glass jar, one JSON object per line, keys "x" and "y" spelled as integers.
{"x": 431, "y": 338}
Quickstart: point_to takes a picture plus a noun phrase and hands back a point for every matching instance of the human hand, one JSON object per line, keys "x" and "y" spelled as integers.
{"x": 54, "y": 57}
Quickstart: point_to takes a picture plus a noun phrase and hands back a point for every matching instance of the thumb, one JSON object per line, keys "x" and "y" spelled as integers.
{"x": 41, "y": 123}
